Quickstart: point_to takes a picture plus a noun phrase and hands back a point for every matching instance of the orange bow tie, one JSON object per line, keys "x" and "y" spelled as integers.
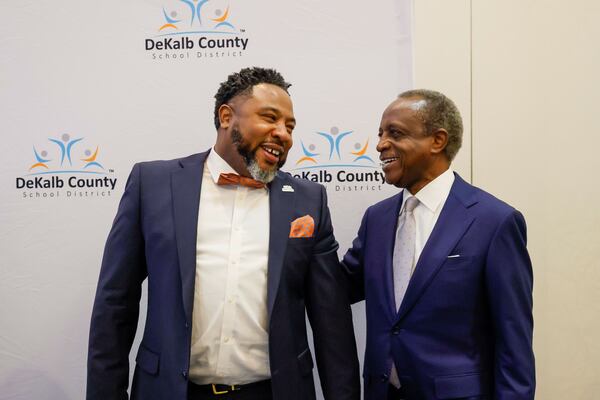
{"x": 235, "y": 179}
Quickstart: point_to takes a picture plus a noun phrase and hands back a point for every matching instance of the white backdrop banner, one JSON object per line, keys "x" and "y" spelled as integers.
{"x": 90, "y": 89}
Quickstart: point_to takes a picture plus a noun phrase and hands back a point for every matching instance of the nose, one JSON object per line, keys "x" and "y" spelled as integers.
{"x": 281, "y": 133}
{"x": 381, "y": 145}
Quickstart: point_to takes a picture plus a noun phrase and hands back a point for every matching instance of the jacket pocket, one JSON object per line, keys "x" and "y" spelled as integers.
{"x": 457, "y": 262}
{"x": 147, "y": 360}
{"x": 459, "y": 386}
{"x": 305, "y": 362}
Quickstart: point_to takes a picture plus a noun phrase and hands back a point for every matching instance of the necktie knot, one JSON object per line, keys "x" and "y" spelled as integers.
{"x": 411, "y": 203}
{"x": 235, "y": 179}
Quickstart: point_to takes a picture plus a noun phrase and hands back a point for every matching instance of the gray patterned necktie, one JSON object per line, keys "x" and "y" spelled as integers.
{"x": 404, "y": 258}
{"x": 404, "y": 249}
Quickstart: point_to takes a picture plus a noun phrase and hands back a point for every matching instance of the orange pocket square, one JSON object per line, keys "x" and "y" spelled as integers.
{"x": 302, "y": 227}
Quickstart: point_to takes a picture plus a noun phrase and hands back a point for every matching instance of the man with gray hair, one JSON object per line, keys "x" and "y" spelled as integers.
{"x": 444, "y": 269}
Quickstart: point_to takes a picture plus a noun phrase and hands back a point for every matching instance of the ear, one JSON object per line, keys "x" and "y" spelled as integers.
{"x": 225, "y": 115}
{"x": 439, "y": 141}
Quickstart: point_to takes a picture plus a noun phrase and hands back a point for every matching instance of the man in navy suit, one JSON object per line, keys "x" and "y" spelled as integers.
{"x": 234, "y": 253}
{"x": 443, "y": 268}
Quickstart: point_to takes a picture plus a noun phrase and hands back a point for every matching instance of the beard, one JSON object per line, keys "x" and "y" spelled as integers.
{"x": 249, "y": 156}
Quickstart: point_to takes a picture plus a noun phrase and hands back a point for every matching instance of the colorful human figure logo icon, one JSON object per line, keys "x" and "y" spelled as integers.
{"x": 170, "y": 20}
{"x": 65, "y": 144}
{"x": 195, "y": 11}
{"x": 309, "y": 153}
{"x": 91, "y": 159}
{"x": 221, "y": 19}
{"x": 361, "y": 150}
{"x": 334, "y": 137}
{"x": 40, "y": 158}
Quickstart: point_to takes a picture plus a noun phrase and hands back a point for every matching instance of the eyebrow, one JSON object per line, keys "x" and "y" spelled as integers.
{"x": 394, "y": 125}
{"x": 276, "y": 111}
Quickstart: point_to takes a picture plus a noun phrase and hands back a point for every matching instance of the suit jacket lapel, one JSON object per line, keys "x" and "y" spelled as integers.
{"x": 185, "y": 186}
{"x": 281, "y": 207}
{"x": 452, "y": 224}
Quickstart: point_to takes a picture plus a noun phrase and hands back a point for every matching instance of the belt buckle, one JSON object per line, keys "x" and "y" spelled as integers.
{"x": 232, "y": 388}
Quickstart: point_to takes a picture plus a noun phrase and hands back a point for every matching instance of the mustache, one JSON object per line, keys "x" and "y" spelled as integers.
{"x": 237, "y": 139}
{"x": 248, "y": 154}
{"x": 275, "y": 142}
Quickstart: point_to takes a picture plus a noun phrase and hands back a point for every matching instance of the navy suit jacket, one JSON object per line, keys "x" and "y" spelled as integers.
{"x": 153, "y": 237}
{"x": 464, "y": 328}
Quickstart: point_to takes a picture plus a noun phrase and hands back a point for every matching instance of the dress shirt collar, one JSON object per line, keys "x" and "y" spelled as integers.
{"x": 434, "y": 193}
{"x": 217, "y": 166}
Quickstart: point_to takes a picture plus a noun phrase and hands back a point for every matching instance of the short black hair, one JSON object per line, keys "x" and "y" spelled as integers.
{"x": 439, "y": 112}
{"x": 241, "y": 83}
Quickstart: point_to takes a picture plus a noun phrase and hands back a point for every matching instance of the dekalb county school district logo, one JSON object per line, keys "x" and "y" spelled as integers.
{"x": 328, "y": 160}
{"x": 200, "y": 29}
{"x": 66, "y": 166}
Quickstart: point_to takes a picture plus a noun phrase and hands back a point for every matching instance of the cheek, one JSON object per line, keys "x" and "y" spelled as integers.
{"x": 411, "y": 150}
{"x": 253, "y": 137}
{"x": 402, "y": 149}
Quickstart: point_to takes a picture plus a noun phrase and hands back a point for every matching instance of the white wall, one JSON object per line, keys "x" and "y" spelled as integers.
{"x": 535, "y": 133}
{"x": 442, "y": 61}
{"x": 535, "y": 94}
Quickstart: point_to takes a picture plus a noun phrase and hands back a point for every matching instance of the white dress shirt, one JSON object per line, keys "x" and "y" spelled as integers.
{"x": 432, "y": 198}
{"x": 229, "y": 330}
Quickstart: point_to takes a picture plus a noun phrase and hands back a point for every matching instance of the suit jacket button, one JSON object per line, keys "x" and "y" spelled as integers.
{"x": 396, "y": 332}
{"x": 187, "y": 325}
{"x": 184, "y": 374}
{"x": 384, "y": 377}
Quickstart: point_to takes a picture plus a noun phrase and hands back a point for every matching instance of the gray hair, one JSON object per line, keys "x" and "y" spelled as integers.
{"x": 437, "y": 111}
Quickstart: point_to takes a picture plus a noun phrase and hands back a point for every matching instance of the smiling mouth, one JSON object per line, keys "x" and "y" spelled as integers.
{"x": 386, "y": 161}
{"x": 273, "y": 153}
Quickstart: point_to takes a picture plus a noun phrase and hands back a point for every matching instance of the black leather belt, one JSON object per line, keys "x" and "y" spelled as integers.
{"x": 214, "y": 391}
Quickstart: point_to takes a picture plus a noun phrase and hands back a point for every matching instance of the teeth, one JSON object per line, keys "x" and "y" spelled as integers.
{"x": 272, "y": 151}
{"x": 387, "y": 161}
